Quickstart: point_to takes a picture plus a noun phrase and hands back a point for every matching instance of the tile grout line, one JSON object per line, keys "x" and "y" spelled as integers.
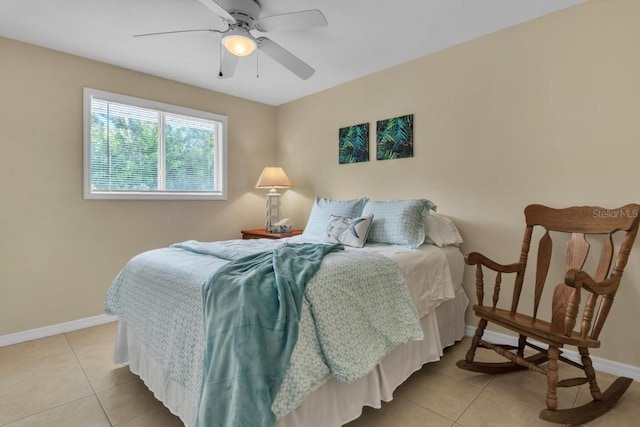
{"x": 75, "y": 355}
{"x": 88, "y": 381}
{"x": 44, "y": 410}
{"x": 455, "y": 379}
{"x": 482, "y": 390}
{"x": 459, "y": 379}
{"x": 61, "y": 404}
{"x": 508, "y": 396}
{"x": 455, "y": 421}
{"x": 422, "y": 407}
{"x": 96, "y": 393}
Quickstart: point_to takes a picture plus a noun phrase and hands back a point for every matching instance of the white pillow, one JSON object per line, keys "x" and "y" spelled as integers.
{"x": 441, "y": 231}
{"x": 348, "y": 231}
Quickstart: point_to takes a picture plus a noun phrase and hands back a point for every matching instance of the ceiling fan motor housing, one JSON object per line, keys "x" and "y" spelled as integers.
{"x": 246, "y": 12}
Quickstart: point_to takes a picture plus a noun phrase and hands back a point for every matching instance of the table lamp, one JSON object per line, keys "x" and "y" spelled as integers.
{"x": 272, "y": 178}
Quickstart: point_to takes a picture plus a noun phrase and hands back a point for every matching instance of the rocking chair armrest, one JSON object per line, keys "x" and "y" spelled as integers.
{"x": 579, "y": 278}
{"x": 475, "y": 258}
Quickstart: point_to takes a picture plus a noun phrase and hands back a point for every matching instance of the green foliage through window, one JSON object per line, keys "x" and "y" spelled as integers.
{"x": 137, "y": 150}
{"x": 124, "y": 147}
{"x": 189, "y": 154}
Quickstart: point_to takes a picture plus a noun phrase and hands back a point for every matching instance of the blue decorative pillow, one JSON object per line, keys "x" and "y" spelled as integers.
{"x": 348, "y": 231}
{"x": 324, "y": 208}
{"x": 398, "y": 222}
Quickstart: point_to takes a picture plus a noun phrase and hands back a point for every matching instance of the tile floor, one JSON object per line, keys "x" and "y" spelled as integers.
{"x": 69, "y": 380}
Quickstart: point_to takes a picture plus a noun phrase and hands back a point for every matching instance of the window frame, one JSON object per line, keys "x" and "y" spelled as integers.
{"x": 220, "y": 149}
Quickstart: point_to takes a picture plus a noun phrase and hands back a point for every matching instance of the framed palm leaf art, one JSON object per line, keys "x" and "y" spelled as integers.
{"x": 394, "y": 138}
{"x": 353, "y": 144}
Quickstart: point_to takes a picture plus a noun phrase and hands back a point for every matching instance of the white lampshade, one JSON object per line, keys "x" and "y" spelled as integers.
{"x": 239, "y": 43}
{"x": 273, "y": 177}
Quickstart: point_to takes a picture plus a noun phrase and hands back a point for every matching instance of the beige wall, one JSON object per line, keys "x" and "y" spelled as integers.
{"x": 544, "y": 112}
{"x": 58, "y": 252}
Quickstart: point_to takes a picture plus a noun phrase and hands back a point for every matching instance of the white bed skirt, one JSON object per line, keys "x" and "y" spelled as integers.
{"x": 333, "y": 403}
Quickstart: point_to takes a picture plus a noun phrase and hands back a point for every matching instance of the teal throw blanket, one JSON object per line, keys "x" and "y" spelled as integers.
{"x": 252, "y": 307}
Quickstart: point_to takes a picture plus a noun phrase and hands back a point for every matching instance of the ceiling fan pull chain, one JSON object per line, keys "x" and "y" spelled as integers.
{"x": 257, "y": 64}
{"x": 220, "y": 62}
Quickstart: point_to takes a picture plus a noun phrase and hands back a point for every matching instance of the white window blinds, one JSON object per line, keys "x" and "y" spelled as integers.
{"x": 141, "y": 149}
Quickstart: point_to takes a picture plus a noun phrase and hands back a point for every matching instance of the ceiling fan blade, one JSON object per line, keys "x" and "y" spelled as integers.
{"x": 289, "y": 21}
{"x": 285, "y": 58}
{"x": 175, "y": 32}
{"x": 215, "y": 7}
{"x": 228, "y": 63}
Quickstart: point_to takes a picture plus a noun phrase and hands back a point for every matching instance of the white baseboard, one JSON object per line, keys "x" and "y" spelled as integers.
{"x": 59, "y": 328}
{"x": 603, "y": 365}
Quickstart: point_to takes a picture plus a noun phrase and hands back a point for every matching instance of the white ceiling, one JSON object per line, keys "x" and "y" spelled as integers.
{"x": 363, "y": 36}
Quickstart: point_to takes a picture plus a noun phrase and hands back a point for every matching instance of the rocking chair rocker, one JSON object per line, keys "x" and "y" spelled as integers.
{"x": 575, "y": 221}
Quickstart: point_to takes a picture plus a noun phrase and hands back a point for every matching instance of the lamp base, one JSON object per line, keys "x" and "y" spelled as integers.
{"x": 272, "y": 213}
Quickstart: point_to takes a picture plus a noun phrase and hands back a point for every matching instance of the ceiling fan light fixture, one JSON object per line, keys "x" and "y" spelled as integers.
{"x": 239, "y": 44}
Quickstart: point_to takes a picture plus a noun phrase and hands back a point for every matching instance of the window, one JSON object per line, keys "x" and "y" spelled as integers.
{"x": 140, "y": 149}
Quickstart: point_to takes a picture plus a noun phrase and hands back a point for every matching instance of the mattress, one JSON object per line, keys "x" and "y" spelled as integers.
{"x": 434, "y": 276}
{"x": 432, "y": 273}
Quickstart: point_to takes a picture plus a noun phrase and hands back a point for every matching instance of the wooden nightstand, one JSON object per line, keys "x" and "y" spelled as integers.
{"x": 261, "y": 233}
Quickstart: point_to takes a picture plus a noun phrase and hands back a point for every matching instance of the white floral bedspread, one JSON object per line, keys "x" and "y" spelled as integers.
{"x": 357, "y": 309}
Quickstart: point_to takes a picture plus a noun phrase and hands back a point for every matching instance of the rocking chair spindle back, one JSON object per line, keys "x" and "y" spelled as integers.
{"x": 577, "y": 223}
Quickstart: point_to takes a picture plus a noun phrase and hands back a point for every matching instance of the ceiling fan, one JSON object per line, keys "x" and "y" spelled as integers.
{"x": 243, "y": 16}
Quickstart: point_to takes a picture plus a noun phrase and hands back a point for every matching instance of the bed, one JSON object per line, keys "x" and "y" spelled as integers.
{"x": 157, "y": 311}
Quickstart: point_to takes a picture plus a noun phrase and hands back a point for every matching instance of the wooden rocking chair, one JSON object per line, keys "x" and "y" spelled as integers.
{"x": 576, "y": 221}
